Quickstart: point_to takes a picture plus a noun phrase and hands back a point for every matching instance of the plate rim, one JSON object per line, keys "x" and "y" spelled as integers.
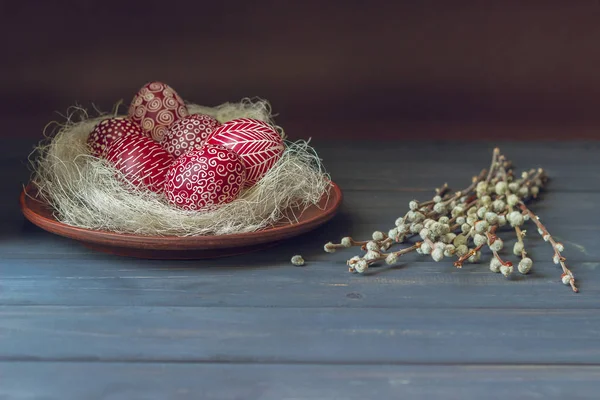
{"x": 180, "y": 243}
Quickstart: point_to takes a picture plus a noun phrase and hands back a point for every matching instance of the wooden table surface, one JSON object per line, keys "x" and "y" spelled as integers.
{"x": 75, "y": 324}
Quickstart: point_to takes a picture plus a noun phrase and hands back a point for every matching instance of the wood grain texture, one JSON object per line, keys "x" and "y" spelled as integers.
{"x": 300, "y": 335}
{"x": 80, "y": 324}
{"x": 160, "y": 381}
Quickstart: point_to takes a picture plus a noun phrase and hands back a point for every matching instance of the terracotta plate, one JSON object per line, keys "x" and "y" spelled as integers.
{"x": 196, "y": 247}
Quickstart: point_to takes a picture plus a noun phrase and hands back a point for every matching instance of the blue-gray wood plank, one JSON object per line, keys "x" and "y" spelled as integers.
{"x": 78, "y": 324}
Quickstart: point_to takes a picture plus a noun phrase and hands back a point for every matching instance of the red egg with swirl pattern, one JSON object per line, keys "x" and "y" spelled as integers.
{"x": 155, "y": 107}
{"x": 203, "y": 179}
{"x": 189, "y": 133}
{"x": 109, "y": 130}
{"x": 142, "y": 161}
{"x": 258, "y": 143}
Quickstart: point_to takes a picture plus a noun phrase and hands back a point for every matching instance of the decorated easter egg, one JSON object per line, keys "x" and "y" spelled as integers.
{"x": 205, "y": 178}
{"x": 109, "y": 130}
{"x": 141, "y": 160}
{"x": 155, "y": 107}
{"x": 258, "y": 144}
{"x": 189, "y": 133}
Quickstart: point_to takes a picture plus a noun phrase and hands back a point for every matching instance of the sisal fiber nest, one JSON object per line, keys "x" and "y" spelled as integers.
{"x": 87, "y": 192}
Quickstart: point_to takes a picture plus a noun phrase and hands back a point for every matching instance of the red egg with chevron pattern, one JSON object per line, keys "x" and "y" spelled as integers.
{"x": 205, "y": 178}
{"x": 155, "y": 107}
{"x": 259, "y": 145}
{"x": 189, "y": 133}
{"x": 143, "y": 161}
{"x": 109, "y": 130}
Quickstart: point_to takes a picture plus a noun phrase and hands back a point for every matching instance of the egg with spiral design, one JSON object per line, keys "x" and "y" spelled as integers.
{"x": 203, "y": 179}
{"x": 142, "y": 161}
{"x": 258, "y": 143}
{"x": 155, "y": 107}
{"x": 189, "y": 133}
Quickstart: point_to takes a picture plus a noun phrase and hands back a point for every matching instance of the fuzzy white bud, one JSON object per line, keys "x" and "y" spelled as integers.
{"x": 329, "y": 247}
{"x": 378, "y": 235}
{"x": 546, "y": 237}
{"x": 513, "y": 187}
{"x": 486, "y": 200}
{"x": 393, "y": 233}
{"x": 506, "y": 270}
{"x": 372, "y": 255}
{"x": 391, "y": 259}
{"x": 457, "y": 211}
{"x": 498, "y": 206}
{"x": 495, "y": 265}
{"x": 566, "y": 279}
{"x": 425, "y": 248}
{"x": 424, "y": 233}
{"x": 462, "y": 250}
{"x": 515, "y": 218}
{"x": 512, "y": 200}
{"x": 346, "y": 242}
{"x": 535, "y": 190}
{"x": 372, "y": 246}
{"x": 444, "y": 220}
{"x": 465, "y": 228}
{"x": 413, "y": 205}
{"x": 523, "y": 191}
{"x": 416, "y": 227}
{"x": 501, "y": 188}
{"x": 459, "y": 240}
{"x": 471, "y": 219}
{"x": 472, "y": 211}
{"x": 437, "y": 199}
{"x": 491, "y": 217}
{"x": 501, "y": 220}
{"x": 560, "y": 247}
{"x": 481, "y": 188}
{"x": 399, "y": 221}
{"x": 428, "y": 223}
{"x": 481, "y": 226}
{"x": 556, "y": 259}
{"x": 410, "y": 216}
{"x": 361, "y": 266}
{"x": 418, "y": 217}
{"x": 497, "y": 244}
{"x": 479, "y": 240}
{"x": 481, "y": 212}
{"x": 448, "y": 237}
{"x": 440, "y": 208}
{"x": 525, "y": 265}
{"x": 461, "y": 220}
{"x": 437, "y": 254}
{"x": 297, "y": 260}
{"x": 449, "y": 250}
{"x": 518, "y": 248}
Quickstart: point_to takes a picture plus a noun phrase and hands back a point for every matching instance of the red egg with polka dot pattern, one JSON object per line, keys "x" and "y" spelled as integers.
{"x": 155, "y": 107}
{"x": 109, "y": 130}
{"x": 189, "y": 133}
{"x": 206, "y": 178}
{"x": 141, "y": 160}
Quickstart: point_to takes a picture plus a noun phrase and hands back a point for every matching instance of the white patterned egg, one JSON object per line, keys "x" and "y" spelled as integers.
{"x": 155, "y": 107}
{"x": 142, "y": 161}
{"x": 109, "y": 130}
{"x": 206, "y": 178}
{"x": 189, "y": 133}
{"x": 259, "y": 145}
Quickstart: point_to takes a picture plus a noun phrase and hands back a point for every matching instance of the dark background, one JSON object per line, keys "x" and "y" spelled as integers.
{"x": 488, "y": 70}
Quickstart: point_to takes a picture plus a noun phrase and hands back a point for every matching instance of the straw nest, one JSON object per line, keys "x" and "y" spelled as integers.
{"x": 87, "y": 192}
